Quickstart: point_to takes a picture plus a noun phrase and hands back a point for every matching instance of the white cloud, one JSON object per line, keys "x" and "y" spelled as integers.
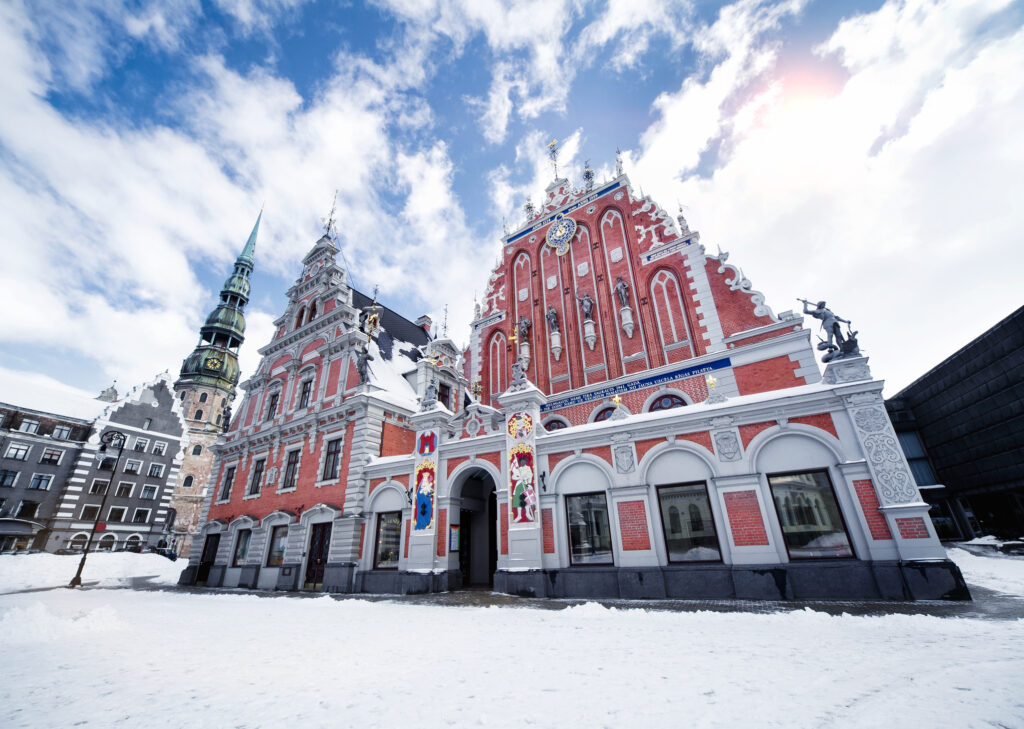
{"x": 894, "y": 198}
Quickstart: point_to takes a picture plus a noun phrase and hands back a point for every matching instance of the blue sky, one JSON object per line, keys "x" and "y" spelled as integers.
{"x": 863, "y": 152}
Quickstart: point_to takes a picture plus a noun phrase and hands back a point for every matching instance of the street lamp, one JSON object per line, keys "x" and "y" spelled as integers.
{"x": 110, "y": 439}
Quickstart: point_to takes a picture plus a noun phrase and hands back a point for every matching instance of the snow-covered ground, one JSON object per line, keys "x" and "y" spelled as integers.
{"x": 175, "y": 659}
{"x": 1002, "y": 573}
{"x": 117, "y": 569}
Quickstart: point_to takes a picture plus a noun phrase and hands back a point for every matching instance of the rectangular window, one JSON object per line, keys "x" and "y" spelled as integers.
{"x": 307, "y": 390}
{"x": 99, "y": 487}
{"x": 332, "y": 460}
{"x": 89, "y": 513}
{"x": 590, "y": 536}
{"x": 131, "y": 466}
{"x": 147, "y": 423}
{"x": 141, "y": 516}
{"x": 291, "y": 471}
{"x": 106, "y": 463}
{"x": 688, "y": 524}
{"x": 241, "y": 547}
{"x": 124, "y": 489}
{"x": 7, "y": 478}
{"x": 225, "y": 489}
{"x": 159, "y": 447}
{"x": 27, "y": 510}
{"x": 257, "y": 477}
{"x": 149, "y": 492}
{"x": 61, "y": 432}
{"x": 116, "y": 514}
{"x": 156, "y": 470}
{"x": 809, "y": 515}
{"x": 17, "y": 451}
{"x": 51, "y": 456}
{"x": 387, "y": 540}
{"x": 272, "y": 407}
{"x": 41, "y": 481}
{"x": 29, "y": 426}
{"x": 141, "y": 444}
{"x": 444, "y": 395}
{"x": 278, "y": 537}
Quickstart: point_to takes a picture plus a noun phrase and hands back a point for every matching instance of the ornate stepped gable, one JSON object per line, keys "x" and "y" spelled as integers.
{"x": 626, "y": 292}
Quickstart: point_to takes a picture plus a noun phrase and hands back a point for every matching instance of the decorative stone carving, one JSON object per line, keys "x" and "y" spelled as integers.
{"x": 892, "y": 475}
{"x": 839, "y": 371}
{"x": 626, "y": 319}
{"x": 727, "y": 445}
{"x": 589, "y": 333}
{"x": 870, "y": 420}
{"x": 624, "y": 459}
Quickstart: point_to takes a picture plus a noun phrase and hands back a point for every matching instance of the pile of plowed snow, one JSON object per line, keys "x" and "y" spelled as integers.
{"x": 106, "y": 569}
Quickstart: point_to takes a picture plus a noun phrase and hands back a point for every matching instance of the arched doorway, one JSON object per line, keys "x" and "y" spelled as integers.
{"x": 475, "y": 500}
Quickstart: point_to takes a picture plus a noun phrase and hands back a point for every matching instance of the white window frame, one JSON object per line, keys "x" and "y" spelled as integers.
{"x": 149, "y": 471}
{"x": 131, "y": 489}
{"x": 32, "y": 429}
{"x": 148, "y": 512}
{"x": 49, "y": 482}
{"x": 58, "y": 428}
{"x": 145, "y": 446}
{"x": 156, "y": 491}
{"x": 284, "y": 469}
{"x": 90, "y": 506}
{"x": 110, "y": 511}
{"x": 60, "y": 456}
{"x": 17, "y": 512}
{"x": 138, "y": 466}
{"x": 234, "y": 482}
{"x": 12, "y": 446}
{"x": 17, "y": 475}
{"x": 92, "y": 486}
{"x": 159, "y": 448}
{"x": 265, "y": 457}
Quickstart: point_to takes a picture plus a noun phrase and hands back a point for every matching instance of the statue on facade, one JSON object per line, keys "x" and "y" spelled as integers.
{"x": 226, "y": 422}
{"x": 621, "y": 290}
{"x": 552, "y": 317}
{"x": 430, "y": 396}
{"x": 836, "y": 345}
{"x": 363, "y": 358}
{"x": 524, "y": 327}
{"x": 518, "y": 372}
{"x": 587, "y": 305}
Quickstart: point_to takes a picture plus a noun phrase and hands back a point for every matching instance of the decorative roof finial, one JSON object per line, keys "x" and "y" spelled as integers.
{"x": 444, "y": 324}
{"x": 684, "y": 227}
{"x": 504, "y": 226}
{"x": 330, "y": 230}
{"x": 618, "y": 162}
{"x": 553, "y": 155}
{"x": 530, "y": 211}
{"x": 588, "y": 176}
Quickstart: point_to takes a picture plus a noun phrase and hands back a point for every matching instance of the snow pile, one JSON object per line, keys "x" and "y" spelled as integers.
{"x": 996, "y": 572}
{"x": 183, "y": 659}
{"x": 106, "y": 569}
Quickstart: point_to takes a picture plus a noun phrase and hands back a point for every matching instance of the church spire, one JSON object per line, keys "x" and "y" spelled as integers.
{"x": 248, "y": 254}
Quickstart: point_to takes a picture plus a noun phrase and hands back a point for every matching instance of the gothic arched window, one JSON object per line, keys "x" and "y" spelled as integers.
{"x": 312, "y": 312}
{"x": 604, "y": 414}
{"x": 667, "y": 402}
{"x": 299, "y": 316}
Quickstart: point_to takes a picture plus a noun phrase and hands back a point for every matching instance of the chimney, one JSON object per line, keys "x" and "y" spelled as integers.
{"x": 424, "y": 323}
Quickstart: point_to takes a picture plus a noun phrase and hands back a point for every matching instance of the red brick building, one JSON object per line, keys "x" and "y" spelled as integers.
{"x": 630, "y": 419}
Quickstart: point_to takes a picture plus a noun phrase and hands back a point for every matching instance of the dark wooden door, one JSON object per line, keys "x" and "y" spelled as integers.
{"x": 208, "y": 557}
{"x": 319, "y": 546}
{"x": 465, "y": 546}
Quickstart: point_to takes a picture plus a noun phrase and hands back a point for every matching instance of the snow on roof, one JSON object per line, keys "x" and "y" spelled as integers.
{"x": 389, "y": 374}
{"x": 44, "y": 394}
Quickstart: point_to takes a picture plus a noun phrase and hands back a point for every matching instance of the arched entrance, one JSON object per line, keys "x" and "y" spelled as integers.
{"x": 475, "y": 501}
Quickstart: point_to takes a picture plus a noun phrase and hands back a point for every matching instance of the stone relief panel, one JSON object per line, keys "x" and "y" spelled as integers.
{"x": 624, "y": 459}
{"x": 727, "y": 445}
{"x": 892, "y": 475}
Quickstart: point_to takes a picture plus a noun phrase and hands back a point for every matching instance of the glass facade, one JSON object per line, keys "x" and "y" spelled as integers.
{"x": 688, "y": 523}
{"x": 387, "y": 540}
{"x": 590, "y": 536}
{"x": 809, "y": 515}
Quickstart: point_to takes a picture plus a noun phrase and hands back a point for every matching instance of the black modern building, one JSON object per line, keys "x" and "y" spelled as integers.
{"x": 961, "y": 426}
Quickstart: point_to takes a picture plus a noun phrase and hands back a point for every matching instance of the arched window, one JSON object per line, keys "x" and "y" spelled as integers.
{"x": 187, "y": 483}
{"x": 107, "y": 543}
{"x": 498, "y": 359}
{"x": 202, "y": 397}
{"x": 182, "y": 395}
{"x": 667, "y": 402}
{"x": 134, "y": 543}
{"x": 604, "y": 414}
{"x": 312, "y": 312}
{"x": 198, "y": 415}
{"x": 299, "y": 316}
{"x": 554, "y": 424}
{"x": 674, "y": 525}
{"x": 668, "y": 310}
{"x": 79, "y": 541}
{"x": 218, "y": 420}
{"x": 196, "y": 450}
{"x": 696, "y": 520}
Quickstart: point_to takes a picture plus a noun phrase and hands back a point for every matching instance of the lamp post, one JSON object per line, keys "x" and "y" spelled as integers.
{"x": 110, "y": 439}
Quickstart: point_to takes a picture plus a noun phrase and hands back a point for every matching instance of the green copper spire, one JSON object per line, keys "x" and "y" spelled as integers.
{"x": 249, "y": 252}
{"x": 214, "y": 361}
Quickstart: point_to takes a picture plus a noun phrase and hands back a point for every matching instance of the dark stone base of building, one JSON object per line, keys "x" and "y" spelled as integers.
{"x": 836, "y": 580}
